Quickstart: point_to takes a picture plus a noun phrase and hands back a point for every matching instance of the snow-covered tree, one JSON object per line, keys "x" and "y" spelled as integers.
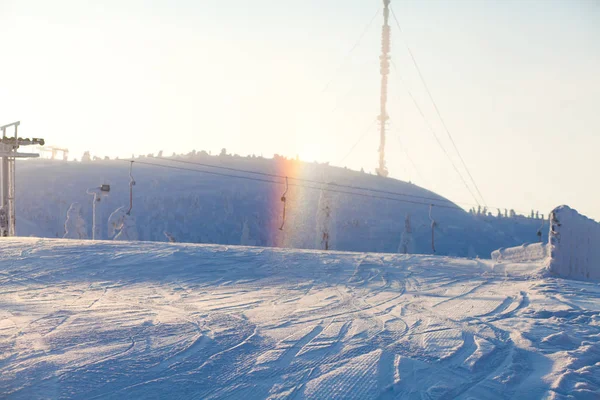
{"x": 75, "y": 224}
{"x": 86, "y": 157}
{"x": 122, "y": 224}
{"x": 169, "y": 237}
{"x": 407, "y": 245}
{"x": 128, "y": 229}
{"x": 245, "y": 240}
{"x": 115, "y": 221}
{"x": 325, "y": 221}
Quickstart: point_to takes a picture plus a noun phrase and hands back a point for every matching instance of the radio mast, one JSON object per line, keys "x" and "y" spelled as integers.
{"x": 385, "y": 70}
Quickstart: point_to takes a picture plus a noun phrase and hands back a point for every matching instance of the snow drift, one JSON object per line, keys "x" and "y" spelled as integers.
{"x": 575, "y": 245}
{"x": 524, "y": 253}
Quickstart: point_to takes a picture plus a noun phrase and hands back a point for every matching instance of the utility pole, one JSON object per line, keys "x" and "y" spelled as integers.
{"x": 8, "y": 155}
{"x": 385, "y": 70}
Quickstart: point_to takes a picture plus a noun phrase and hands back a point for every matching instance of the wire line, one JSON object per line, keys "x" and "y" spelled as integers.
{"x": 327, "y": 186}
{"x": 296, "y": 179}
{"x": 437, "y": 139}
{"x": 437, "y": 110}
{"x": 343, "y": 64}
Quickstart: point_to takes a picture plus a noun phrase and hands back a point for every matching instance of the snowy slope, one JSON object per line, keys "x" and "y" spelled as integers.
{"x": 89, "y": 320}
{"x": 203, "y": 208}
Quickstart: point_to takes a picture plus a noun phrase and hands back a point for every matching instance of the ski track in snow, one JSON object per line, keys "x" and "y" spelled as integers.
{"x": 111, "y": 320}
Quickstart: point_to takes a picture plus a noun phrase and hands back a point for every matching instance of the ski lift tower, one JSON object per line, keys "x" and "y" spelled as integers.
{"x": 8, "y": 156}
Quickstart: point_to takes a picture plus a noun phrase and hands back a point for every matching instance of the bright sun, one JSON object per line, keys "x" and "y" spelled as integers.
{"x": 310, "y": 154}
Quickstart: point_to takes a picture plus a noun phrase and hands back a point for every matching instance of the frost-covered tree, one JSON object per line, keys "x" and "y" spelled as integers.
{"x": 128, "y": 229}
{"x": 115, "y": 222}
{"x": 406, "y": 241}
{"x": 122, "y": 224}
{"x": 169, "y": 237}
{"x": 246, "y": 240}
{"x": 75, "y": 224}
{"x": 325, "y": 221}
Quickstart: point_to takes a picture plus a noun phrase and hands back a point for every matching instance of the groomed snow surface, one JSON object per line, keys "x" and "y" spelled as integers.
{"x": 90, "y": 320}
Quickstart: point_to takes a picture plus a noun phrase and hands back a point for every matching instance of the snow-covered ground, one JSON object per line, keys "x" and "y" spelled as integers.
{"x": 121, "y": 320}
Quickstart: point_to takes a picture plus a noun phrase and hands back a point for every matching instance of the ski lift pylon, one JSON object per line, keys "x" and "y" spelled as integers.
{"x": 284, "y": 200}
{"x": 131, "y": 185}
{"x": 433, "y": 225}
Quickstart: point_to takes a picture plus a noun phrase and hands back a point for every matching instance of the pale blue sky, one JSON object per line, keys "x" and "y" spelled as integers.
{"x": 517, "y": 83}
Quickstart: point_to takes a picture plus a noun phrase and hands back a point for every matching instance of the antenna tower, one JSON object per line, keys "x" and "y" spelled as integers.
{"x": 385, "y": 70}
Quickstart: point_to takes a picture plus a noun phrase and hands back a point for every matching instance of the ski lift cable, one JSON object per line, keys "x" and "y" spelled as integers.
{"x": 347, "y": 58}
{"x": 437, "y": 110}
{"x": 320, "y": 187}
{"x": 441, "y": 199}
{"x": 305, "y": 180}
{"x": 329, "y": 189}
{"x": 403, "y": 149}
{"x": 360, "y": 138}
{"x": 435, "y": 136}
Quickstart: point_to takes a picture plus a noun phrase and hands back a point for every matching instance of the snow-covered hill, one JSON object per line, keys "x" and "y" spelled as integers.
{"x": 204, "y": 208}
{"x": 87, "y": 320}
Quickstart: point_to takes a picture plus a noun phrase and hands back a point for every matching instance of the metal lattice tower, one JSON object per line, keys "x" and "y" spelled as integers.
{"x": 8, "y": 155}
{"x": 385, "y": 70}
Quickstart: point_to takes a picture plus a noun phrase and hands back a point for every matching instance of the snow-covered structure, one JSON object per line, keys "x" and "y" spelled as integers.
{"x": 99, "y": 193}
{"x": 75, "y": 224}
{"x": 574, "y": 245}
